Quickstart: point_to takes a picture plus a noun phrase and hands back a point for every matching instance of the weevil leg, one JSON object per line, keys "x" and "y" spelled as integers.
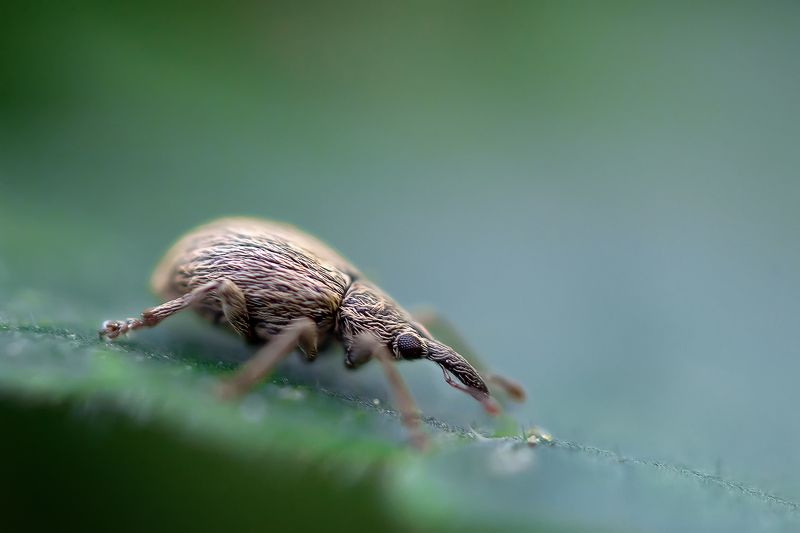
{"x": 447, "y": 333}
{"x": 230, "y": 295}
{"x": 234, "y": 307}
{"x": 265, "y": 359}
{"x": 308, "y": 341}
{"x": 366, "y": 347}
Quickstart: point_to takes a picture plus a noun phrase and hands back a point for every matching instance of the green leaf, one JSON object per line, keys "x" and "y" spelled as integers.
{"x": 601, "y": 198}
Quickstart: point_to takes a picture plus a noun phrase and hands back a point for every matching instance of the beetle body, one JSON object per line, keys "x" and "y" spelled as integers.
{"x": 274, "y": 274}
{"x": 283, "y": 273}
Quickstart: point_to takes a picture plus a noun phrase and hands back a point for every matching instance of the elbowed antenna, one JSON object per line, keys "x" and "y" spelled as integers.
{"x": 453, "y": 363}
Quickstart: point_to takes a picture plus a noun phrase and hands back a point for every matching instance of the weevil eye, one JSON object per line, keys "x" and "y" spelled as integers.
{"x": 409, "y": 346}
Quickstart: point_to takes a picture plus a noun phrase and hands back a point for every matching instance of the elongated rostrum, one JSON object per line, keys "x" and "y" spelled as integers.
{"x": 275, "y": 285}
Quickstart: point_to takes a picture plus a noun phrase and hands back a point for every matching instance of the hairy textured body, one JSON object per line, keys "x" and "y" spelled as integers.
{"x": 283, "y": 273}
{"x": 272, "y": 283}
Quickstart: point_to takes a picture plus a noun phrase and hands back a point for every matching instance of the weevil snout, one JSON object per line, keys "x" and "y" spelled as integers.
{"x": 453, "y": 363}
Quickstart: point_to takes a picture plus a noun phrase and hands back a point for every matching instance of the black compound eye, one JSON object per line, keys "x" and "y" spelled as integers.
{"x": 409, "y": 346}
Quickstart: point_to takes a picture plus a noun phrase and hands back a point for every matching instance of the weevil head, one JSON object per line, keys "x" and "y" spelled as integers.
{"x": 416, "y": 343}
{"x": 367, "y": 311}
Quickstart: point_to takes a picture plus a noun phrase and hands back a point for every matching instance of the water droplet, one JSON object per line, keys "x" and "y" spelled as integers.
{"x": 536, "y": 436}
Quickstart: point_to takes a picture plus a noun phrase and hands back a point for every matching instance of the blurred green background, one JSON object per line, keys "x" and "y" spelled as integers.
{"x": 603, "y": 197}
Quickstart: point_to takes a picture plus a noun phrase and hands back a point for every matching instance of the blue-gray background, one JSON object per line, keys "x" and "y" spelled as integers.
{"x": 602, "y": 197}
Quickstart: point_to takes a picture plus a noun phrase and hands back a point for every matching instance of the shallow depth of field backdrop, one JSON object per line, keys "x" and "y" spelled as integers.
{"x": 603, "y": 198}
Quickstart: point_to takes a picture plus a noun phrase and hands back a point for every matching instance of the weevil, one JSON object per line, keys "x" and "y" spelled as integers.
{"x": 275, "y": 285}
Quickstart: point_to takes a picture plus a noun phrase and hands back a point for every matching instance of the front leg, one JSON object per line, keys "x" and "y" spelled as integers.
{"x": 366, "y": 347}
{"x": 230, "y": 295}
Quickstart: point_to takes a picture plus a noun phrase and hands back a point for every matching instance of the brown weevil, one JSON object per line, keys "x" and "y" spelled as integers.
{"x": 276, "y": 285}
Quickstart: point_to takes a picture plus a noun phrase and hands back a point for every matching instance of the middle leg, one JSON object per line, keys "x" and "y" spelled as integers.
{"x": 298, "y": 332}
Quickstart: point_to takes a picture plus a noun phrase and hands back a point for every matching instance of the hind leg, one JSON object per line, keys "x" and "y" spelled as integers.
{"x": 230, "y": 295}
{"x": 444, "y": 331}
